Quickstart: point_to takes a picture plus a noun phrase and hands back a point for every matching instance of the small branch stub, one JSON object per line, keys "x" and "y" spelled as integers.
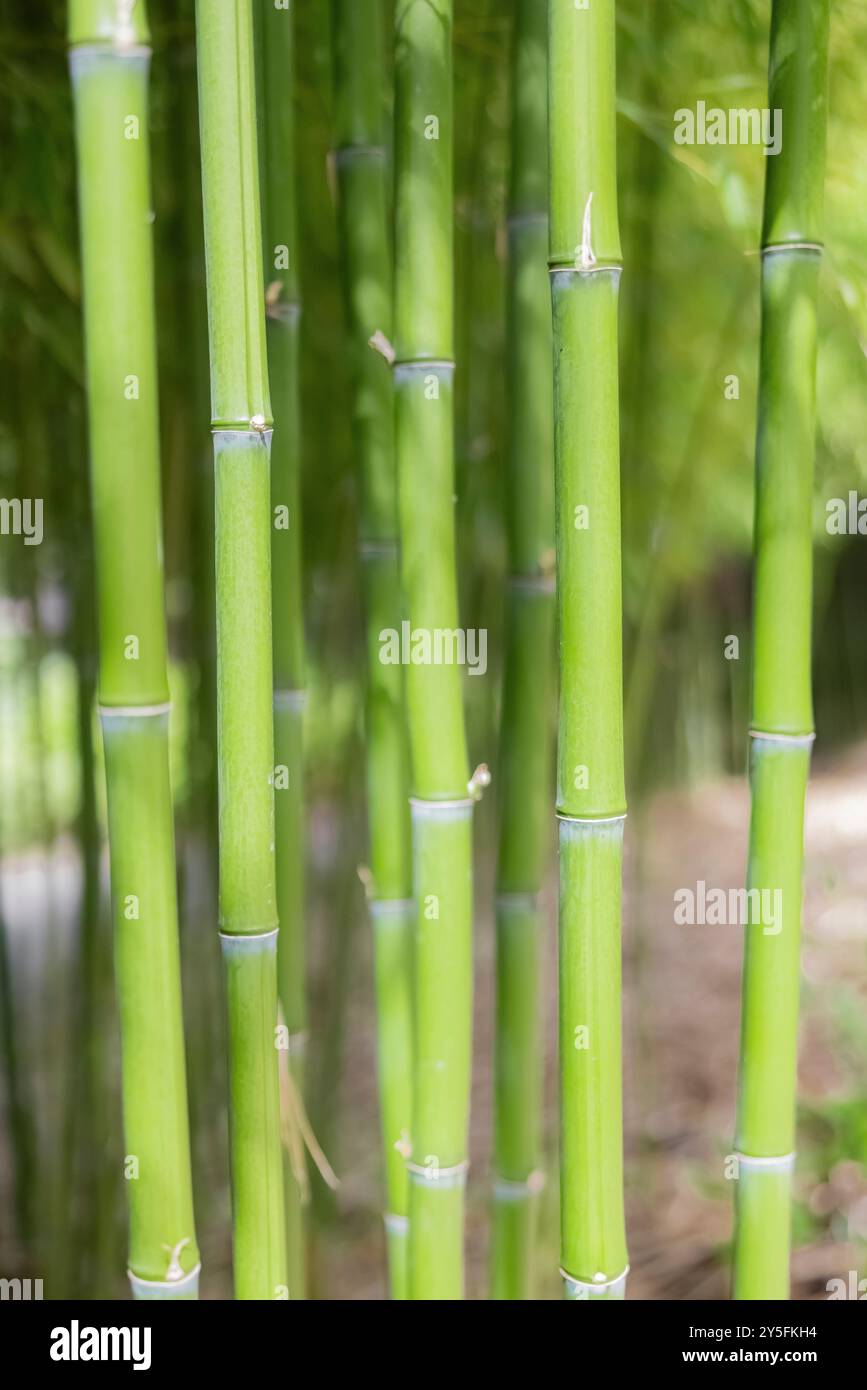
{"x": 380, "y": 344}
{"x": 480, "y": 779}
{"x": 586, "y": 258}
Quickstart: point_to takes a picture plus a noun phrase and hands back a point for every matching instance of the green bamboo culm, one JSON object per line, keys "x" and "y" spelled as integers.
{"x": 525, "y": 753}
{"x": 585, "y": 263}
{"x": 110, "y": 59}
{"x": 363, "y": 180}
{"x": 241, "y": 420}
{"x": 441, "y": 807}
{"x": 283, "y": 308}
{"x": 781, "y": 726}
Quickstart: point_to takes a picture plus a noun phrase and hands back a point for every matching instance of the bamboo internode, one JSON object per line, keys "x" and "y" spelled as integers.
{"x": 585, "y": 263}
{"x": 109, "y": 61}
{"x": 441, "y": 814}
{"x": 526, "y": 734}
{"x": 782, "y": 705}
{"x": 241, "y": 420}
{"x": 282, "y": 307}
{"x": 363, "y": 182}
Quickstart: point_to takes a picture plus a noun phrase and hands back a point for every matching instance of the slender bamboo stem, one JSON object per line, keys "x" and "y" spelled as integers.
{"x": 781, "y": 725}
{"x": 585, "y": 261}
{"x": 441, "y": 808}
{"x": 241, "y": 419}
{"x": 110, "y": 58}
{"x": 525, "y": 755}
{"x": 362, "y": 171}
{"x": 283, "y": 301}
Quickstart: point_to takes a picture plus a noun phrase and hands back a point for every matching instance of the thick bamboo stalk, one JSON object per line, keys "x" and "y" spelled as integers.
{"x": 363, "y": 179}
{"x": 241, "y": 420}
{"x": 781, "y": 721}
{"x": 283, "y": 299}
{"x": 441, "y": 807}
{"x": 110, "y": 58}
{"x": 525, "y": 753}
{"x": 585, "y": 262}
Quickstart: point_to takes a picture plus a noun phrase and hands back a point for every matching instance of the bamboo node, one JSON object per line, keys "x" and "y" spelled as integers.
{"x": 133, "y": 711}
{"x": 597, "y": 1283}
{"x": 421, "y": 806}
{"x": 512, "y": 1190}
{"x": 775, "y": 247}
{"x": 543, "y": 584}
{"x": 288, "y": 698}
{"x": 172, "y": 1287}
{"x": 235, "y": 943}
{"x": 757, "y": 1161}
{"x": 395, "y": 908}
{"x": 589, "y": 820}
{"x": 794, "y": 740}
{"x": 434, "y": 1175}
{"x": 345, "y": 154}
{"x": 517, "y": 902}
{"x": 378, "y": 548}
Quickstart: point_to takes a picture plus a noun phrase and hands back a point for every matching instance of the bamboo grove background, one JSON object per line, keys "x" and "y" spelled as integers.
{"x": 690, "y": 227}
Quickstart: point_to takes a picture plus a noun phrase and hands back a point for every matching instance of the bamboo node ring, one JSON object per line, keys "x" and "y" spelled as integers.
{"x": 134, "y": 711}
{"x": 517, "y": 902}
{"x": 511, "y": 1190}
{"x": 390, "y": 907}
{"x": 757, "y": 1161}
{"x": 454, "y": 1176}
{"x": 796, "y": 740}
{"x": 596, "y": 1283}
{"x": 173, "y": 1284}
{"x": 589, "y": 820}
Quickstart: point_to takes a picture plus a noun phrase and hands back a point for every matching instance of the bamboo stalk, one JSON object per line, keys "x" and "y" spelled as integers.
{"x": 362, "y": 171}
{"x": 109, "y": 59}
{"x": 283, "y": 301}
{"x": 781, "y": 724}
{"x": 241, "y": 420}
{"x": 441, "y": 807}
{"x": 525, "y": 734}
{"x": 585, "y": 262}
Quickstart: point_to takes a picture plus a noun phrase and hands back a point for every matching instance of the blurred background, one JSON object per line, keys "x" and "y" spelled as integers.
{"x": 690, "y": 218}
